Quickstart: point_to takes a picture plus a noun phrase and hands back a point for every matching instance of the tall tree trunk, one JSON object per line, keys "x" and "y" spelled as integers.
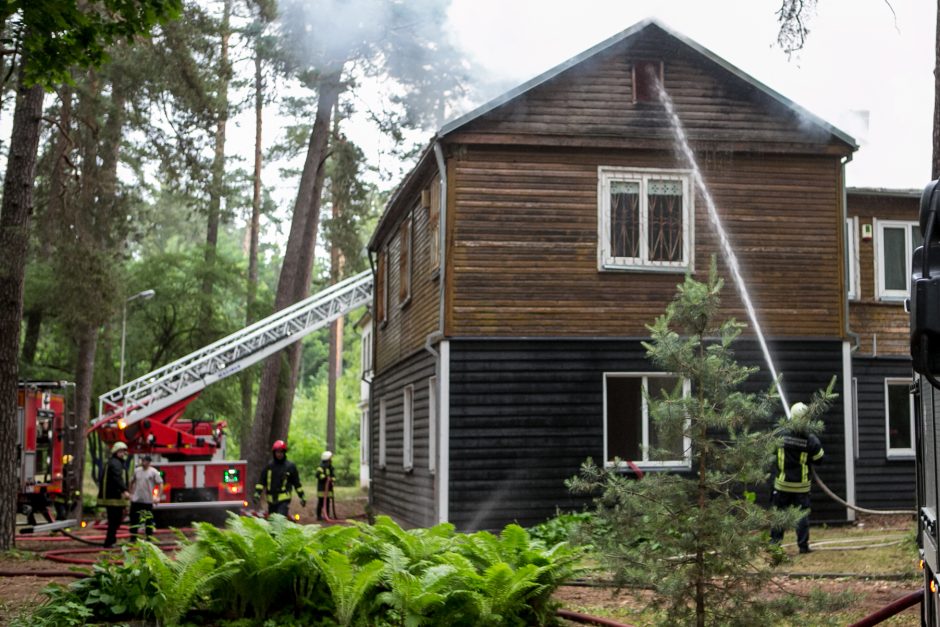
{"x": 336, "y": 328}
{"x": 15, "y": 211}
{"x": 217, "y": 184}
{"x": 329, "y": 95}
{"x": 261, "y": 432}
{"x": 86, "y": 338}
{"x": 31, "y": 336}
{"x": 254, "y": 228}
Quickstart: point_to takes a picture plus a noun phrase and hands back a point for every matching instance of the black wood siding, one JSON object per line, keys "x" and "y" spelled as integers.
{"x": 526, "y": 413}
{"x": 880, "y": 483}
{"x": 407, "y": 496}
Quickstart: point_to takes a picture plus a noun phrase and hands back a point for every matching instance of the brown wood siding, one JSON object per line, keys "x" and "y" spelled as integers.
{"x": 523, "y": 244}
{"x": 883, "y": 327}
{"x": 412, "y": 319}
{"x": 594, "y": 99}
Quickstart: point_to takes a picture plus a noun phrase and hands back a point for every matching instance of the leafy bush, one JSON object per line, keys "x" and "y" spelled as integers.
{"x": 257, "y": 571}
{"x": 561, "y": 528}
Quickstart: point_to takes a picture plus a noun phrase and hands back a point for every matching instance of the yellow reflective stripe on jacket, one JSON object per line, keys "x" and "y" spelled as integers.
{"x": 818, "y": 455}
{"x": 791, "y": 486}
{"x": 781, "y": 459}
{"x": 112, "y": 503}
{"x": 804, "y": 468}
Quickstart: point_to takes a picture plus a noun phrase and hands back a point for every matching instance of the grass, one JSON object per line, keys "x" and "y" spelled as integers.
{"x": 883, "y": 565}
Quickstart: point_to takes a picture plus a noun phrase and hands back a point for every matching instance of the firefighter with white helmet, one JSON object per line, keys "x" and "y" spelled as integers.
{"x": 112, "y": 492}
{"x": 326, "y": 475}
{"x": 278, "y": 479}
{"x": 798, "y": 450}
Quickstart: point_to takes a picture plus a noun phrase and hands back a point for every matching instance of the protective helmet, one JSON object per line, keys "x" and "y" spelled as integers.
{"x": 118, "y": 446}
{"x": 327, "y": 455}
{"x": 279, "y": 445}
{"x": 798, "y": 410}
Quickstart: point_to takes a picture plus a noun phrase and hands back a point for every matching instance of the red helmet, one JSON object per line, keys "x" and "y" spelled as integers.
{"x": 279, "y": 445}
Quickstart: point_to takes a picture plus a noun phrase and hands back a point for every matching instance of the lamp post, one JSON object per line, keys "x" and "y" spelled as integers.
{"x": 144, "y": 295}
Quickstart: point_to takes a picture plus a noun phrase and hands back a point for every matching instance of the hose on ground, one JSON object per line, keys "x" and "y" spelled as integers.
{"x": 587, "y": 619}
{"x": 876, "y": 512}
{"x": 42, "y": 573}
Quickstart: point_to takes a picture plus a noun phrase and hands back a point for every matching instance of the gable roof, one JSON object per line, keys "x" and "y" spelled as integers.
{"x": 624, "y": 36}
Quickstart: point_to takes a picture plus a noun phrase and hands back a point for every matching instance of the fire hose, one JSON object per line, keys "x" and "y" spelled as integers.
{"x": 877, "y": 512}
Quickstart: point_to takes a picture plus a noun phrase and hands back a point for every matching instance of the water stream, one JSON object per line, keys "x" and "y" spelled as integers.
{"x": 730, "y": 258}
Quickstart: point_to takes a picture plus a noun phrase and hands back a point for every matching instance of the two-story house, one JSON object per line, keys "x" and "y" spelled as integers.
{"x": 519, "y": 262}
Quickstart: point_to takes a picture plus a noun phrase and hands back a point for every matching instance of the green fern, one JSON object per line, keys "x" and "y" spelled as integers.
{"x": 349, "y": 585}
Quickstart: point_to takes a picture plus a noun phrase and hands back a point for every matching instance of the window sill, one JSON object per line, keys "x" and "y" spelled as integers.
{"x": 435, "y": 274}
{"x": 647, "y": 467}
{"x": 610, "y": 267}
{"x": 408, "y": 469}
{"x": 404, "y": 303}
{"x": 900, "y": 457}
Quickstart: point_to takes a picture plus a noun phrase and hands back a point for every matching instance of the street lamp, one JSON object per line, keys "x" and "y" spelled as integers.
{"x": 144, "y": 295}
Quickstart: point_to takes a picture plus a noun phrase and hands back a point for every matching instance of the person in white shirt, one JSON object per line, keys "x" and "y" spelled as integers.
{"x": 146, "y": 490}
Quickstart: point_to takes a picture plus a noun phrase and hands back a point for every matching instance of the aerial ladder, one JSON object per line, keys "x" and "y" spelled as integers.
{"x": 146, "y": 413}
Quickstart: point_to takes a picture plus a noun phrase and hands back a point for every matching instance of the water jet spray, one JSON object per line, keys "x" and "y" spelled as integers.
{"x": 728, "y": 252}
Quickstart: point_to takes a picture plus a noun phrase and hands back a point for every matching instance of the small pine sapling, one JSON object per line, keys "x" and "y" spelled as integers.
{"x": 697, "y": 537}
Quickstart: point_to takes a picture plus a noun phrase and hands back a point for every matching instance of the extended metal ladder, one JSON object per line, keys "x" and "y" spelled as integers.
{"x": 181, "y": 379}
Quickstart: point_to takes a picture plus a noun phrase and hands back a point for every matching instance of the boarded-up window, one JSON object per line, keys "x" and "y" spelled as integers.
{"x": 434, "y": 224}
{"x": 645, "y": 219}
{"x": 647, "y": 75}
{"x": 404, "y": 258}
{"x": 381, "y": 288}
{"x": 629, "y": 432}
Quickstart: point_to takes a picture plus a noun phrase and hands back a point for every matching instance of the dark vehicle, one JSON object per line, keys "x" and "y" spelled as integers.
{"x": 924, "y": 307}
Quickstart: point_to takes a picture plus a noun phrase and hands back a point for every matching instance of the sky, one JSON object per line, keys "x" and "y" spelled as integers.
{"x": 867, "y": 67}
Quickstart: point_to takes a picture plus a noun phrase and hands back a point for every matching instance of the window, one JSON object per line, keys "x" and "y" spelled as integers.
{"x": 629, "y": 433}
{"x": 383, "y": 412}
{"x": 404, "y": 259}
{"x": 434, "y": 224}
{"x": 365, "y": 357}
{"x": 432, "y": 424}
{"x": 899, "y": 418}
{"x": 381, "y": 289}
{"x": 364, "y": 439}
{"x": 645, "y": 219}
{"x": 645, "y": 76}
{"x": 894, "y": 245}
{"x": 851, "y": 258}
{"x": 408, "y": 428}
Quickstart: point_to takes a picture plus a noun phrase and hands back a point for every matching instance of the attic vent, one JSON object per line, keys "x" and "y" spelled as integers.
{"x": 645, "y": 75}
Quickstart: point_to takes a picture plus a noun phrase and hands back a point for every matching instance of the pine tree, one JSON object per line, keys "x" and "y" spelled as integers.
{"x": 698, "y": 539}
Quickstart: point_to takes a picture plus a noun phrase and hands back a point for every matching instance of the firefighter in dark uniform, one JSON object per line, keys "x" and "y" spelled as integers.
{"x": 277, "y": 479}
{"x": 797, "y": 452}
{"x": 326, "y": 475}
{"x": 112, "y": 493}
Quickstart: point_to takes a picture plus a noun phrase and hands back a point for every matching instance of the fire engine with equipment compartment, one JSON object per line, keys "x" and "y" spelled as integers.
{"x": 146, "y": 414}
{"x": 46, "y": 478}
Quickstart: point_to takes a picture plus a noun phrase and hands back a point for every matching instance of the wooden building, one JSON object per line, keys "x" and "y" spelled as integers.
{"x": 518, "y": 265}
{"x": 881, "y": 233}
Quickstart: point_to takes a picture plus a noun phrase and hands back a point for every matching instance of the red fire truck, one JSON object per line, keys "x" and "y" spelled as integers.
{"x": 147, "y": 413}
{"x": 41, "y": 439}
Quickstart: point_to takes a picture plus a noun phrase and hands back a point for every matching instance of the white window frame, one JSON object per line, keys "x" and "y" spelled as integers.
{"x": 898, "y": 453}
{"x": 365, "y": 352}
{"x": 408, "y": 428}
{"x": 646, "y": 462}
{"x": 609, "y": 174}
{"x": 432, "y": 424}
{"x": 851, "y": 257}
{"x": 364, "y": 437}
{"x": 383, "y": 417}
{"x": 881, "y": 291}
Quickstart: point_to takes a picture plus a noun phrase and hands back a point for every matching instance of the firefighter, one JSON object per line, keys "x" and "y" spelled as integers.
{"x": 326, "y": 474}
{"x": 277, "y": 479}
{"x": 113, "y": 494}
{"x": 146, "y": 491}
{"x": 798, "y": 451}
